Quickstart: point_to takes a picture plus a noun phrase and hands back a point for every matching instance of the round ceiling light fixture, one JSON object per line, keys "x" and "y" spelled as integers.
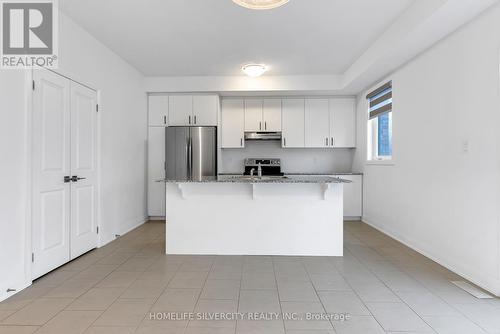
{"x": 260, "y": 4}
{"x": 254, "y": 70}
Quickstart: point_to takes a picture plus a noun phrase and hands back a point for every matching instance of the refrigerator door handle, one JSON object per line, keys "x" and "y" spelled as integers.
{"x": 191, "y": 157}
{"x": 187, "y": 158}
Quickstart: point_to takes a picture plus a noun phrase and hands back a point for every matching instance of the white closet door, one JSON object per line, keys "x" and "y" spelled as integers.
{"x": 51, "y": 163}
{"x": 83, "y": 229}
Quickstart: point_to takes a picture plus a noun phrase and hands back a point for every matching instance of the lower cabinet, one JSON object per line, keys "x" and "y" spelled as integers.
{"x": 156, "y": 171}
{"x": 353, "y": 195}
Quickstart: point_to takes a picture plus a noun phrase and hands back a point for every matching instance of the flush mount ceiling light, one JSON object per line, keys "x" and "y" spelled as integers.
{"x": 260, "y": 4}
{"x": 254, "y": 70}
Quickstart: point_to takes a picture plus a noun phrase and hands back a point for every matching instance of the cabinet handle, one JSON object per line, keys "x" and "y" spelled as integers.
{"x": 260, "y": 125}
{"x": 164, "y": 119}
{"x": 241, "y": 142}
{"x": 284, "y": 141}
{"x": 265, "y": 125}
{"x": 189, "y": 119}
{"x": 332, "y": 141}
{"x": 194, "y": 119}
{"x": 326, "y": 141}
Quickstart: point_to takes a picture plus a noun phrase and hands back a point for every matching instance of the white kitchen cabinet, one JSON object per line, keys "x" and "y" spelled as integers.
{"x": 253, "y": 115}
{"x": 263, "y": 115}
{"x": 157, "y": 110}
{"x": 233, "y": 123}
{"x": 271, "y": 114}
{"x": 156, "y": 171}
{"x": 342, "y": 123}
{"x": 205, "y": 109}
{"x": 353, "y": 195}
{"x": 293, "y": 123}
{"x": 189, "y": 110}
{"x": 317, "y": 123}
{"x": 180, "y": 110}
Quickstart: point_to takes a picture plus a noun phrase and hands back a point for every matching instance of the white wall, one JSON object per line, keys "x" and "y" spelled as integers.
{"x": 296, "y": 160}
{"x": 123, "y": 125}
{"x": 437, "y": 198}
{"x": 12, "y": 179}
{"x": 122, "y": 156}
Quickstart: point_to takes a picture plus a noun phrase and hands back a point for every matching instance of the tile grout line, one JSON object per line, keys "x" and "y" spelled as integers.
{"x": 382, "y": 282}
{"x": 317, "y": 294}
{"x": 278, "y": 292}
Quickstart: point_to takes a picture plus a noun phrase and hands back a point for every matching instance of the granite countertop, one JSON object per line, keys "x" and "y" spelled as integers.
{"x": 304, "y": 174}
{"x": 340, "y": 173}
{"x": 242, "y": 179}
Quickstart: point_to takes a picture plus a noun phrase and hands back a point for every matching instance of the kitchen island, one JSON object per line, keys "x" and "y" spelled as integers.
{"x": 235, "y": 215}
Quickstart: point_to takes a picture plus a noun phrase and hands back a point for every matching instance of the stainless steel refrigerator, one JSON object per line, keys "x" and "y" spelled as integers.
{"x": 191, "y": 152}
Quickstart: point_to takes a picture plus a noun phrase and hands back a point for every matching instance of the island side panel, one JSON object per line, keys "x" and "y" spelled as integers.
{"x": 260, "y": 219}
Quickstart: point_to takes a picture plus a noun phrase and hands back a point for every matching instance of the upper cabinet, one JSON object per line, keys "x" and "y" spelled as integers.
{"x": 180, "y": 110}
{"x": 263, "y": 115}
{"x": 189, "y": 110}
{"x": 233, "y": 123}
{"x": 292, "y": 122}
{"x": 205, "y": 109}
{"x": 317, "y": 123}
{"x": 157, "y": 110}
{"x": 271, "y": 115}
{"x": 253, "y": 115}
{"x": 343, "y": 123}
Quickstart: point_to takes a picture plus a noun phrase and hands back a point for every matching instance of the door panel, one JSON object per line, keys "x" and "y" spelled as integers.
{"x": 177, "y": 153}
{"x": 272, "y": 115}
{"x": 180, "y": 110}
{"x": 53, "y": 219}
{"x": 156, "y": 171}
{"x": 157, "y": 110}
{"x": 253, "y": 115}
{"x": 83, "y": 229}
{"x": 203, "y": 152}
{"x": 51, "y": 163}
{"x": 293, "y": 123}
{"x": 233, "y": 124}
{"x": 343, "y": 122}
{"x": 317, "y": 123}
{"x": 205, "y": 109}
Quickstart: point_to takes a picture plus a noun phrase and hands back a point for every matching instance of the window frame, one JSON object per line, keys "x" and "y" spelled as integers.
{"x": 372, "y": 157}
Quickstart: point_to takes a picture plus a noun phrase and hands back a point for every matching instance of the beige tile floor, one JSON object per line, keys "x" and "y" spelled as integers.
{"x": 384, "y": 286}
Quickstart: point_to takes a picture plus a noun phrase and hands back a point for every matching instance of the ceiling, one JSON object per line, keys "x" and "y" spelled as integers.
{"x": 216, "y": 37}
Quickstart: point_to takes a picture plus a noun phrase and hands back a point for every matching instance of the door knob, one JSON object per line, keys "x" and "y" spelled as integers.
{"x": 67, "y": 179}
{"x": 75, "y": 178}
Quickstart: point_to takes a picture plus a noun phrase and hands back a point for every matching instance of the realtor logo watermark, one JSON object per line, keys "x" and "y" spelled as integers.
{"x": 29, "y": 33}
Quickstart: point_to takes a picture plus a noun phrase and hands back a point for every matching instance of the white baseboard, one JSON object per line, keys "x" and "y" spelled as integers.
{"x": 156, "y": 217}
{"x": 4, "y": 295}
{"x": 136, "y": 223}
{"x": 352, "y": 219}
{"x": 488, "y": 284}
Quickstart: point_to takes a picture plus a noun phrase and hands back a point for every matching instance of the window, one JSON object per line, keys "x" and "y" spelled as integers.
{"x": 380, "y": 123}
